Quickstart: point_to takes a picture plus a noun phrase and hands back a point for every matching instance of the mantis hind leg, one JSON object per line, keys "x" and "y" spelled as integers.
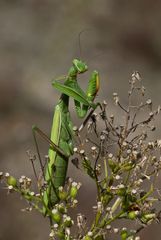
{"x": 56, "y": 148}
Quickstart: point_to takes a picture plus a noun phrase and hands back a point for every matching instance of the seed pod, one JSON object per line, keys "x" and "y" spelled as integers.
{"x": 62, "y": 208}
{"x": 56, "y": 216}
{"x": 73, "y": 192}
{"x": 11, "y": 181}
{"x": 68, "y": 222}
{"x": 62, "y": 194}
{"x": 124, "y": 234}
{"x": 60, "y": 235}
{"x": 87, "y": 238}
{"x": 132, "y": 215}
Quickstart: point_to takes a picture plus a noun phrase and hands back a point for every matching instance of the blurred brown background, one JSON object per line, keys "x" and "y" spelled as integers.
{"x": 38, "y": 40}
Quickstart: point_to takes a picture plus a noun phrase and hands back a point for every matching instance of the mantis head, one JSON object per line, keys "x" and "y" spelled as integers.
{"x": 80, "y": 66}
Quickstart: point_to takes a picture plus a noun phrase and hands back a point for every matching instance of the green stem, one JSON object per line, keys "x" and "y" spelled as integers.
{"x": 146, "y": 195}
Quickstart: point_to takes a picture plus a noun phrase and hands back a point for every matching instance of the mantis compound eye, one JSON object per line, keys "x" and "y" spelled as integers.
{"x": 80, "y": 66}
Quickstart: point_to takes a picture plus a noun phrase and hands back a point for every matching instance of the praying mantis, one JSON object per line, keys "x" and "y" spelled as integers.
{"x": 61, "y": 140}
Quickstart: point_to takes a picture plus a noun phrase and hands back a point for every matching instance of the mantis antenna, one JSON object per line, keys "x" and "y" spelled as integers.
{"x": 79, "y": 40}
{"x": 80, "y": 47}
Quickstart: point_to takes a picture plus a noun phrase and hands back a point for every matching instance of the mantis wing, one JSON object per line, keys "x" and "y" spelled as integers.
{"x": 55, "y": 136}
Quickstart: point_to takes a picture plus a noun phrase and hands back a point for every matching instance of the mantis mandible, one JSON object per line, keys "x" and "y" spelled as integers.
{"x": 61, "y": 140}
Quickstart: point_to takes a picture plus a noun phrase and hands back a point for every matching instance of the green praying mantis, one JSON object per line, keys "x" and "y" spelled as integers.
{"x": 61, "y": 140}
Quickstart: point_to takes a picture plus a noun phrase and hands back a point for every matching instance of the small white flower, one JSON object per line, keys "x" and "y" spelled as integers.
{"x": 21, "y": 180}
{"x": 90, "y": 234}
{"x": 108, "y": 227}
{"x": 75, "y": 128}
{"x": 10, "y": 187}
{"x": 54, "y": 211}
{"x": 82, "y": 151}
{"x": 134, "y": 191}
{"x": 117, "y": 177}
{"x": 61, "y": 188}
{"x": 7, "y": 175}
{"x": 74, "y": 184}
{"x": 108, "y": 209}
{"x": 159, "y": 143}
{"x": 51, "y": 235}
{"x": 75, "y": 201}
{"x": 110, "y": 155}
{"x": 93, "y": 148}
{"x": 116, "y": 230}
{"x": 99, "y": 206}
{"x": 124, "y": 229}
{"x": 55, "y": 226}
{"x": 75, "y": 149}
{"x": 149, "y": 101}
{"x": 104, "y": 102}
{"x": 137, "y": 238}
{"x": 124, "y": 144}
{"x": 121, "y": 186}
{"x": 65, "y": 216}
{"x": 67, "y": 231}
{"x": 23, "y": 177}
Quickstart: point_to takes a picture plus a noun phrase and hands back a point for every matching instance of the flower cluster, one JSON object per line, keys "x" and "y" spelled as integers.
{"x": 123, "y": 158}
